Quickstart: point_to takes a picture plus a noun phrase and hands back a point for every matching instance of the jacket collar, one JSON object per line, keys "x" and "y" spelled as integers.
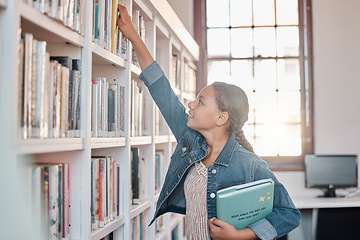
{"x": 225, "y": 154}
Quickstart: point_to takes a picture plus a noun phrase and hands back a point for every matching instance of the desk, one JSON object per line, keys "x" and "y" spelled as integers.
{"x": 316, "y": 202}
{"x": 309, "y": 207}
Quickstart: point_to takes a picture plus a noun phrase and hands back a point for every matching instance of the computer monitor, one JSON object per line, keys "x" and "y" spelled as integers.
{"x": 330, "y": 172}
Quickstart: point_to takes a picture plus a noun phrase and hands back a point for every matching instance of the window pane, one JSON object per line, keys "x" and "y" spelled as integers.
{"x": 265, "y": 107}
{"x": 249, "y": 133}
{"x": 242, "y": 74}
{"x": 266, "y": 140}
{"x": 218, "y": 42}
{"x": 287, "y": 12}
{"x": 265, "y": 75}
{"x": 288, "y": 41}
{"x": 264, "y": 12}
{"x": 240, "y": 13}
{"x": 241, "y": 42}
{"x": 218, "y": 71}
{"x": 288, "y": 74}
{"x": 217, "y": 13}
{"x": 289, "y": 107}
{"x": 289, "y": 140}
{"x": 264, "y": 42}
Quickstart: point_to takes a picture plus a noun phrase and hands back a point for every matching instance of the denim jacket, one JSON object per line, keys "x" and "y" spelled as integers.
{"x": 234, "y": 165}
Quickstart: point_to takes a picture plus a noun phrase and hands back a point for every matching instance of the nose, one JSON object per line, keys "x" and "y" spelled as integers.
{"x": 191, "y": 104}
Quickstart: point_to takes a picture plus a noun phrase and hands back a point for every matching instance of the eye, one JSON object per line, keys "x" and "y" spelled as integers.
{"x": 200, "y": 102}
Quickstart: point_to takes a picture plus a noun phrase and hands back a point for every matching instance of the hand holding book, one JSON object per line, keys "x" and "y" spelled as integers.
{"x": 222, "y": 230}
{"x": 127, "y": 28}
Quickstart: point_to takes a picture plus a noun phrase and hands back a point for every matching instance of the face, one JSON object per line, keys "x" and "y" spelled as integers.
{"x": 204, "y": 113}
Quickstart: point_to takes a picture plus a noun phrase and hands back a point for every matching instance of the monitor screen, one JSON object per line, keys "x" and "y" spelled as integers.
{"x": 330, "y": 171}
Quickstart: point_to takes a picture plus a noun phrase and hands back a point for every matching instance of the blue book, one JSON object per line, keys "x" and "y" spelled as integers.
{"x": 244, "y": 204}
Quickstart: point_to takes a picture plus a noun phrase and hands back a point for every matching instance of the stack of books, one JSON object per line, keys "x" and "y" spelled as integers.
{"x": 139, "y": 24}
{"x": 49, "y": 92}
{"x": 69, "y": 12}
{"x": 138, "y": 176}
{"x": 105, "y": 189}
{"x": 49, "y": 194}
{"x": 107, "y": 109}
{"x": 138, "y": 110}
{"x": 105, "y": 32}
{"x": 138, "y": 227}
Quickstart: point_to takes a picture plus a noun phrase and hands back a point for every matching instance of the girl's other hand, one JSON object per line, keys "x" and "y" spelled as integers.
{"x": 125, "y": 24}
{"x": 220, "y": 230}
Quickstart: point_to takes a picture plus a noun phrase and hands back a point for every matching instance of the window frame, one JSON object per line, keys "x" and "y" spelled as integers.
{"x": 306, "y": 80}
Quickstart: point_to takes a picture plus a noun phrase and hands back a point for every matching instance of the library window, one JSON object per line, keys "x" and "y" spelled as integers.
{"x": 263, "y": 47}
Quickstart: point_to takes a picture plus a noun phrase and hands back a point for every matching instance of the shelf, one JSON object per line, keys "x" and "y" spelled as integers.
{"x": 47, "y": 29}
{"x": 3, "y": 3}
{"x": 137, "y": 209}
{"x": 161, "y": 139}
{"x": 102, "y": 232}
{"x": 188, "y": 96}
{"x": 146, "y": 12}
{"x": 175, "y": 220}
{"x": 103, "y": 56}
{"x": 135, "y": 69}
{"x": 176, "y": 91}
{"x": 34, "y": 146}
{"x": 107, "y": 142}
{"x": 169, "y": 15}
{"x": 143, "y": 140}
{"x": 161, "y": 235}
{"x": 173, "y": 138}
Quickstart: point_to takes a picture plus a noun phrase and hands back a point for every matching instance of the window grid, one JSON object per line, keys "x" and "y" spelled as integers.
{"x": 253, "y": 122}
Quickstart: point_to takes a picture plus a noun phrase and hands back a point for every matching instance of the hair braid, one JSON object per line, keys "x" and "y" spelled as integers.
{"x": 232, "y": 99}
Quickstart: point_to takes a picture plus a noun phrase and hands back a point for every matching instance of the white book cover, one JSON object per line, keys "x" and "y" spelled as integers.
{"x": 94, "y": 104}
{"x": 44, "y": 125}
{"x": 64, "y": 103}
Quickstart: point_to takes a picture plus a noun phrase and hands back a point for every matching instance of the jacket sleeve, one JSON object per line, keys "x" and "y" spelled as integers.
{"x": 170, "y": 107}
{"x": 284, "y": 217}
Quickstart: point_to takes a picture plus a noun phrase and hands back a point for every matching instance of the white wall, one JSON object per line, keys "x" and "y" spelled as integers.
{"x": 185, "y": 11}
{"x": 336, "y": 38}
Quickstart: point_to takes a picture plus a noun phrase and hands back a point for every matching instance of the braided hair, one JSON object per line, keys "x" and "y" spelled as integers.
{"x": 233, "y": 100}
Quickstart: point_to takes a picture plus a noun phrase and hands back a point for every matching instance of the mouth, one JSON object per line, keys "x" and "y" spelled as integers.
{"x": 190, "y": 115}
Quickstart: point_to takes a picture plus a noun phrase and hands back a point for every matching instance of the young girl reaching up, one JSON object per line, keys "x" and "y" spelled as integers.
{"x": 212, "y": 153}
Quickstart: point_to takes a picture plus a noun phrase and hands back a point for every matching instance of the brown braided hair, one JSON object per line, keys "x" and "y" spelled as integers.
{"x": 233, "y": 100}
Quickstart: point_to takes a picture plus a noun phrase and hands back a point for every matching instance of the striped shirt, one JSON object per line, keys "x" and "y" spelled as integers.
{"x": 195, "y": 187}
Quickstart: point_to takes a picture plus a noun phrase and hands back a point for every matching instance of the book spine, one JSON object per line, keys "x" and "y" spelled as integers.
{"x": 93, "y": 195}
{"x": 94, "y": 108}
{"x": 53, "y": 223}
{"x": 101, "y": 192}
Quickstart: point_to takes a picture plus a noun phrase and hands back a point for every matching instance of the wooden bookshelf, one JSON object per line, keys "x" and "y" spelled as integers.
{"x": 164, "y": 33}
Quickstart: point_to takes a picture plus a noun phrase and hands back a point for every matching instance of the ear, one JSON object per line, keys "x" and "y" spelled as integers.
{"x": 222, "y": 119}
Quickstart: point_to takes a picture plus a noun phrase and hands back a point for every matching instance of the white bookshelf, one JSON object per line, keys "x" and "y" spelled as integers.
{"x": 165, "y": 32}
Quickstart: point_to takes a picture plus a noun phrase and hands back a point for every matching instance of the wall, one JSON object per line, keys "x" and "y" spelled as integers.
{"x": 185, "y": 11}
{"x": 336, "y": 38}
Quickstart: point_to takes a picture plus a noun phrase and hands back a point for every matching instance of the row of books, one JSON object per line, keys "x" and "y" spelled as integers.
{"x": 105, "y": 191}
{"x": 49, "y": 194}
{"x": 105, "y": 32}
{"x": 159, "y": 224}
{"x": 190, "y": 78}
{"x": 107, "y": 109}
{"x": 139, "y": 24}
{"x": 159, "y": 170}
{"x": 160, "y": 124}
{"x": 138, "y": 227}
{"x": 175, "y": 70}
{"x": 110, "y": 236}
{"x": 69, "y": 12}
{"x": 49, "y": 92}
{"x": 138, "y": 121}
{"x": 138, "y": 176}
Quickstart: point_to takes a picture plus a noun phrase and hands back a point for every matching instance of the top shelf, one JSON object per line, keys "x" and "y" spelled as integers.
{"x": 45, "y": 28}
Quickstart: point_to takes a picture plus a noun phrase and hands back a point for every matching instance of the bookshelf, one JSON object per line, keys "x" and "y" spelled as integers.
{"x": 165, "y": 36}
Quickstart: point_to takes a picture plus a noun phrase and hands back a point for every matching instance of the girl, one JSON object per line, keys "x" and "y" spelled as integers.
{"x": 212, "y": 153}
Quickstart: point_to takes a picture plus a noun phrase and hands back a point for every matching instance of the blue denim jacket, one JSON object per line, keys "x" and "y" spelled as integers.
{"x": 235, "y": 165}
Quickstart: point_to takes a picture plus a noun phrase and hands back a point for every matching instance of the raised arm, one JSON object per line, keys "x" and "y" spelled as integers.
{"x": 154, "y": 78}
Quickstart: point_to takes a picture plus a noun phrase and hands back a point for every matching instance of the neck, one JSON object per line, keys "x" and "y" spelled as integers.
{"x": 215, "y": 141}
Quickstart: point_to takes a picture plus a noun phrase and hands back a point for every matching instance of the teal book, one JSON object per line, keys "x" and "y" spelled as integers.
{"x": 244, "y": 204}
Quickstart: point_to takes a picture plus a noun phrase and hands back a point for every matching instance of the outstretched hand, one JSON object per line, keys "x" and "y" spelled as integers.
{"x": 125, "y": 24}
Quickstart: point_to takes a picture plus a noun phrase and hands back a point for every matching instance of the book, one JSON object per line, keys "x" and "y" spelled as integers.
{"x": 244, "y": 204}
